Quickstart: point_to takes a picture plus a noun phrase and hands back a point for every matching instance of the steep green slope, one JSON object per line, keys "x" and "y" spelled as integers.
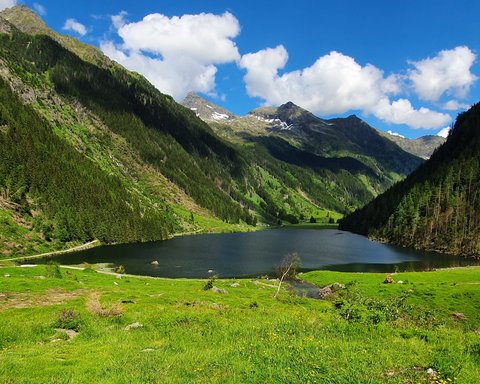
{"x": 27, "y": 21}
{"x": 77, "y": 200}
{"x": 437, "y": 206}
{"x": 89, "y": 152}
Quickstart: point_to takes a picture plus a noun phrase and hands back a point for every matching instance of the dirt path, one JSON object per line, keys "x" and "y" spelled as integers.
{"x": 90, "y": 244}
{"x": 53, "y": 296}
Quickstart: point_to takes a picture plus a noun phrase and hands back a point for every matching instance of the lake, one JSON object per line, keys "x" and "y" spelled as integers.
{"x": 257, "y": 253}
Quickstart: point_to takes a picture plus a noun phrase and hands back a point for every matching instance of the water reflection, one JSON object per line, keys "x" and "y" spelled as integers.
{"x": 257, "y": 253}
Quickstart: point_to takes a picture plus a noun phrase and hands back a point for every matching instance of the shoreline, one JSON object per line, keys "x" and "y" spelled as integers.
{"x": 96, "y": 243}
{"x": 90, "y": 244}
{"x": 128, "y": 275}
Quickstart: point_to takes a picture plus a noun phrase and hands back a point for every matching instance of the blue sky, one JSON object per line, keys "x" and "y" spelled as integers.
{"x": 409, "y": 67}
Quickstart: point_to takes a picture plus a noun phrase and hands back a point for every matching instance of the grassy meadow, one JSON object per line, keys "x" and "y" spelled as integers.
{"x": 145, "y": 330}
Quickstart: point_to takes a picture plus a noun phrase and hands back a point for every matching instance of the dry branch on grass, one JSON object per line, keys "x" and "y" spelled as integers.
{"x": 94, "y": 306}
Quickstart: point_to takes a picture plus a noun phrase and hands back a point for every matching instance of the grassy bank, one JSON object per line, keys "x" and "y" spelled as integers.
{"x": 369, "y": 332}
{"x": 310, "y": 226}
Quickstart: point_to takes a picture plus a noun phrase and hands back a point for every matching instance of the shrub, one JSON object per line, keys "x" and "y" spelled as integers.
{"x": 52, "y": 269}
{"x": 68, "y": 319}
{"x": 209, "y": 284}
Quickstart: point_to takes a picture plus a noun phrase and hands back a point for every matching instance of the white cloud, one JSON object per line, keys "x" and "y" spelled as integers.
{"x": 41, "y": 10}
{"x": 444, "y": 132}
{"x": 7, "y": 4}
{"x": 454, "y": 105}
{"x": 75, "y": 26}
{"x": 118, "y": 21}
{"x": 177, "y": 54}
{"x": 335, "y": 83}
{"x": 448, "y": 72}
{"x": 401, "y": 111}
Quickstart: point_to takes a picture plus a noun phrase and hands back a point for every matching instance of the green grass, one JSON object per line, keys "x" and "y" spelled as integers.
{"x": 245, "y": 336}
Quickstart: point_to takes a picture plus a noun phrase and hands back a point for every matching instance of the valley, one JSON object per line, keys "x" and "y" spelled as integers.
{"x": 149, "y": 238}
{"x": 127, "y": 163}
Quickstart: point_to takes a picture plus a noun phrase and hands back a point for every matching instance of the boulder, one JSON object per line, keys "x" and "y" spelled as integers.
{"x": 133, "y": 326}
{"x": 71, "y": 334}
{"x": 329, "y": 290}
{"x": 219, "y": 290}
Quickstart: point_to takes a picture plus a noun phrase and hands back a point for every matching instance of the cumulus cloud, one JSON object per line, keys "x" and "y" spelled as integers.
{"x": 401, "y": 111}
{"x": 75, "y": 26}
{"x": 444, "y": 132}
{"x": 41, "y": 10}
{"x": 177, "y": 54}
{"x": 335, "y": 83}
{"x": 454, "y": 105}
{"x": 7, "y": 4}
{"x": 447, "y": 72}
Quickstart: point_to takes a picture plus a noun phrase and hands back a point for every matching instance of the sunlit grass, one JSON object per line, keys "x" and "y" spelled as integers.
{"x": 190, "y": 335}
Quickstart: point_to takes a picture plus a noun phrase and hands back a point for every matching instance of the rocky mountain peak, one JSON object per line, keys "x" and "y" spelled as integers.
{"x": 291, "y": 110}
{"x": 25, "y": 20}
{"x": 206, "y": 110}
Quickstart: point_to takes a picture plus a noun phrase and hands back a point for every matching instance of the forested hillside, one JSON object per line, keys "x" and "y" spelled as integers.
{"x": 94, "y": 152}
{"x": 437, "y": 207}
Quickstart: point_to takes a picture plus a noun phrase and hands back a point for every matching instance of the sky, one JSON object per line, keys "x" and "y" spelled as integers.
{"x": 408, "y": 67}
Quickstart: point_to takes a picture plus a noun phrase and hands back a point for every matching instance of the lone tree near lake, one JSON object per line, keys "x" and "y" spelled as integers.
{"x": 287, "y": 269}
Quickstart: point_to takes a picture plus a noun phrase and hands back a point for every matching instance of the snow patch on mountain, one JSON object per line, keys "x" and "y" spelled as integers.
{"x": 219, "y": 116}
{"x": 276, "y": 123}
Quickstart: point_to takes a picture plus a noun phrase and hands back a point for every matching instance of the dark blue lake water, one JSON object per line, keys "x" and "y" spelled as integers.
{"x": 257, "y": 253}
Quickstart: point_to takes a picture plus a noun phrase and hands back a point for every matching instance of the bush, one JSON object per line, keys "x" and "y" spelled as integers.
{"x": 68, "y": 319}
{"x": 209, "y": 284}
{"x": 52, "y": 269}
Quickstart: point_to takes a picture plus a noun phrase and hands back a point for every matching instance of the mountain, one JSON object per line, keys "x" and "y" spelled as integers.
{"x": 27, "y": 21}
{"x": 205, "y": 110}
{"x": 422, "y": 147}
{"x": 293, "y": 134}
{"x": 342, "y": 131}
{"x": 437, "y": 207}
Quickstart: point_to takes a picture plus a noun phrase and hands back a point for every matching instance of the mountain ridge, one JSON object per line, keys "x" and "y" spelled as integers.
{"x": 283, "y": 116}
{"x": 337, "y": 137}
